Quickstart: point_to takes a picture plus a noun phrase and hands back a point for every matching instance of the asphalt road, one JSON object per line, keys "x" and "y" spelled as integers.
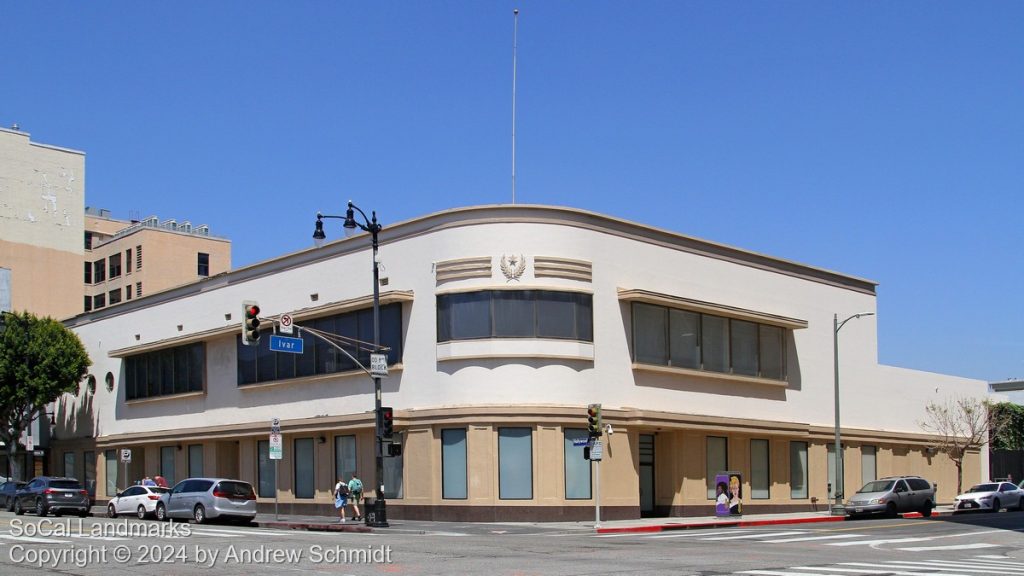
{"x": 975, "y": 545}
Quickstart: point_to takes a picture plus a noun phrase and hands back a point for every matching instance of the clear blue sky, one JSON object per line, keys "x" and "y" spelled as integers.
{"x": 879, "y": 139}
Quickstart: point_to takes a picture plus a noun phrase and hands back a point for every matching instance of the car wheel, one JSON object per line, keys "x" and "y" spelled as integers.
{"x": 890, "y": 510}
{"x": 111, "y": 511}
{"x": 199, "y": 514}
{"x": 927, "y": 510}
{"x": 40, "y": 507}
{"x": 17, "y": 508}
{"x": 995, "y": 505}
{"x": 161, "y": 512}
{"x": 141, "y": 512}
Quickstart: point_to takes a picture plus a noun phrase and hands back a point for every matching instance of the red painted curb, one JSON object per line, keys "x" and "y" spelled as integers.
{"x": 731, "y": 524}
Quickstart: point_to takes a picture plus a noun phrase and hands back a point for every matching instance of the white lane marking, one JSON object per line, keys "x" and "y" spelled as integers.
{"x": 215, "y": 531}
{"x": 917, "y": 568}
{"x": 969, "y": 566}
{"x": 809, "y": 538}
{"x": 698, "y": 533}
{"x": 780, "y": 573}
{"x": 951, "y": 547}
{"x": 31, "y": 539}
{"x": 834, "y": 569}
{"x": 105, "y": 538}
{"x": 873, "y": 542}
{"x": 754, "y": 535}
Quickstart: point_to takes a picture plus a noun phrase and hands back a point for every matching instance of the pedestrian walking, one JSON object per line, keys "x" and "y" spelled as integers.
{"x": 341, "y": 497}
{"x": 355, "y": 490}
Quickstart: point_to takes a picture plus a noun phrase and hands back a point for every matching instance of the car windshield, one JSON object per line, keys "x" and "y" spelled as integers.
{"x": 876, "y": 486}
{"x": 236, "y": 489}
{"x": 984, "y": 488}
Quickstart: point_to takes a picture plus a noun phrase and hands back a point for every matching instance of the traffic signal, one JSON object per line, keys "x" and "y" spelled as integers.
{"x": 394, "y": 449}
{"x": 250, "y": 323}
{"x": 387, "y": 423}
{"x": 594, "y": 420}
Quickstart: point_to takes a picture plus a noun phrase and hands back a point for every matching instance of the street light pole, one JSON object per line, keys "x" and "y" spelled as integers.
{"x": 837, "y": 508}
{"x": 378, "y": 518}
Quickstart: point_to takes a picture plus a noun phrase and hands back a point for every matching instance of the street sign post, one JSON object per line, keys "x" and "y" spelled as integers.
{"x": 286, "y": 344}
{"x": 276, "y": 450}
{"x": 379, "y": 365}
{"x": 287, "y": 327}
{"x": 126, "y": 458}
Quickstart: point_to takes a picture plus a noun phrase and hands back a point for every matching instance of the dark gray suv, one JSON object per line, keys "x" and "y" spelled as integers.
{"x": 45, "y": 494}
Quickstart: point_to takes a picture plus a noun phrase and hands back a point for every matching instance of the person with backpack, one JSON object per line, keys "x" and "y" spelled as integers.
{"x": 341, "y": 497}
{"x": 355, "y": 488}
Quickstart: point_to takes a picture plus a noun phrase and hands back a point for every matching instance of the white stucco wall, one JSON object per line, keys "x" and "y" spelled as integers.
{"x": 874, "y": 397}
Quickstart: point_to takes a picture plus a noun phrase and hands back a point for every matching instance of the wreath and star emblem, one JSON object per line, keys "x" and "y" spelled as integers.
{"x": 513, "y": 266}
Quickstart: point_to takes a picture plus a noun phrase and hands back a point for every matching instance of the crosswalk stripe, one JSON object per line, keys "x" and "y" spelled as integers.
{"x": 950, "y": 547}
{"x": 972, "y": 565}
{"x": 891, "y": 567}
{"x": 780, "y": 573}
{"x": 884, "y": 541}
{"x": 697, "y": 533}
{"x": 209, "y": 531}
{"x": 843, "y": 570}
{"x": 754, "y": 535}
{"x": 32, "y": 539}
{"x": 221, "y": 534}
{"x": 811, "y": 538}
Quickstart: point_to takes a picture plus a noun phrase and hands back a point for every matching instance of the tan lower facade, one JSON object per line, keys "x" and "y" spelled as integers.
{"x": 654, "y": 464}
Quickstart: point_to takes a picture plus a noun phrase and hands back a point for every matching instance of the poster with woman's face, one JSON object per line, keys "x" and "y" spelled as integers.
{"x": 722, "y": 496}
{"x": 735, "y": 493}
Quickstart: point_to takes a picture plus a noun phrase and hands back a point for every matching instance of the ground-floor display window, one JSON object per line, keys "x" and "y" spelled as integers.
{"x": 69, "y": 465}
{"x": 394, "y": 470}
{"x": 577, "y": 469}
{"x": 515, "y": 463}
{"x": 717, "y": 461}
{"x": 195, "y": 461}
{"x": 110, "y": 457}
{"x": 90, "y": 472}
{"x": 266, "y": 473}
{"x": 344, "y": 457}
{"x": 454, "y": 468}
{"x": 167, "y": 464}
{"x": 867, "y": 464}
{"x": 798, "y": 470}
{"x": 305, "y": 482}
{"x": 759, "y": 469}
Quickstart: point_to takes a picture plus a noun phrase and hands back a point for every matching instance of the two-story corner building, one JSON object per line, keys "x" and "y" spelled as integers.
{"x": 503, "y": 323}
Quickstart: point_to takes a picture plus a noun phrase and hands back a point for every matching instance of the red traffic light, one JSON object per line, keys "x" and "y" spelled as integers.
{"x": 252, "y": 311}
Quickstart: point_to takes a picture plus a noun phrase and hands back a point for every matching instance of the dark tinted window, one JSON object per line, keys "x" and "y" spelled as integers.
{"x": 202, "y": 485}
{"x": 65, "y": 484}
{"x": 235, "y": 489}
{"x": 515, "y": 314}
{"x": 158, "y": 490}
{"x": 919, "y": 484}
{"x": 165, "y": 372}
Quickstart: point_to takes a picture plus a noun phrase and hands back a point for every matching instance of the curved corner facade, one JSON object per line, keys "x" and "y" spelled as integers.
{"x": 504, "y": 324}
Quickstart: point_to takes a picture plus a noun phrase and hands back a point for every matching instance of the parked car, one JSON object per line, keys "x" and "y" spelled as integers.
{"x": 203, "y": 499}
{"x": 138, "y": 500}
{"x": 46, "y": 494}
{"x": 7, "y": 491}
{"x": 991, "y": 496}
{"x": 892, "y": 496}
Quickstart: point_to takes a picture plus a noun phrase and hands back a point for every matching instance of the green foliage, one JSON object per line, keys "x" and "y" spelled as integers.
{"x": 1011, "y": 435}
{"x": 40, "y": 360}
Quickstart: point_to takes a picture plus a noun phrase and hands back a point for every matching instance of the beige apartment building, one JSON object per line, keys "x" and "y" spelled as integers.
{"x": 59, "y": 258}
{"x": 48, "y": 234}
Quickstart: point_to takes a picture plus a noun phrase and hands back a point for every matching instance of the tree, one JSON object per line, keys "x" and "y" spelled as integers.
{"x": 40, "y": 360}
{"x": 961, "y": 424}
{"x": 1011, "y": 437}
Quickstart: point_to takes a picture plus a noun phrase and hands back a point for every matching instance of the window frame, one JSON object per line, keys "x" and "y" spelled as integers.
{"x": 460, "y": 315}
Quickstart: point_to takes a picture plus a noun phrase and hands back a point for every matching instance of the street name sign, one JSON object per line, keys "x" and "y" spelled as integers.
{"x": 286, "y": 344}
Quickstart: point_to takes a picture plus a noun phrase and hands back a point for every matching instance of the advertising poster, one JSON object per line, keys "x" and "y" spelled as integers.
{"x": 728, "y": 494}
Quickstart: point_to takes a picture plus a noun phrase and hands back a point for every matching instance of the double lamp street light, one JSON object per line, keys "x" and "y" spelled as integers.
{"x": 377, "y": 518}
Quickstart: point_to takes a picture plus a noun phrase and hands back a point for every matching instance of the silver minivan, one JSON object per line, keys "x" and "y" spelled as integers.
{"x": 892, "y": 496}
{"x": 203, "y": 499}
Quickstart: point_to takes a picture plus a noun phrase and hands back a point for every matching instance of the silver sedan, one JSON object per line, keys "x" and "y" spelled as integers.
{"x": 991, "y": 496}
